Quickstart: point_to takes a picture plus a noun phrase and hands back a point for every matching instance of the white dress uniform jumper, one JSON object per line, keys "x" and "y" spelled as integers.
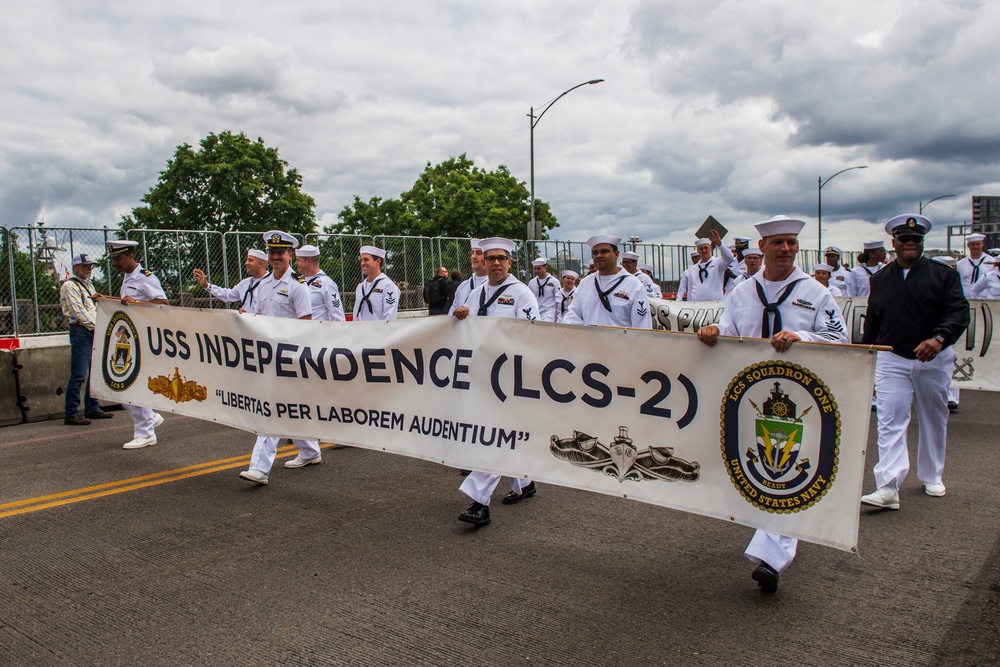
{"x": 706, "y": 279}
{"x": 376, "y": 300}
{"x": 617, "y": 300}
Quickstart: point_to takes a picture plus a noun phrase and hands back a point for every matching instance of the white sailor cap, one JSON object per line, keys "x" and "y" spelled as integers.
{"x": 645, "y": 267}
{"x": 82, "y": 258}
{"x": 947, "y": 260}
{"x": 833, "y": 250}
{"x": 822, "y": 267}
{"x": 279, "y": 239}
{"x": 874, "y": 245}
{"x": 257, "y": 254}
{"x": 779, "y": 224}
{"x": 119, "y": 247}
{"x": 497, "y": 243}
{"x": 372, "y": 250}
{"x": 540, "y": 261}
{"x": 567, "y": 272}
{"x": 474, "y": 243}
{"x": 972, "y": 238}
{"x": 307, "y": 251}
{"x": 630, "y": 255}
{"x": 694, "y": 255}
{"x": 741, "y": 242}
{"x": 752, "y": 252}
{"x": 908, "y": 223}
{"x": 610, "y": 239}
{"x": 702, "y": 242}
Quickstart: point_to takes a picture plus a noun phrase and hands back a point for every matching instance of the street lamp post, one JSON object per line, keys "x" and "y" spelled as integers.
{"x": 533, "y": 231}
{"x": 819, "y": 202}
{"x": 924, "y": 205}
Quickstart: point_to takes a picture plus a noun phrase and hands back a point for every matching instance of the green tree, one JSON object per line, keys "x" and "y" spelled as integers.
{"x": 229, "y": 184}
{"x": 454, "y": 198}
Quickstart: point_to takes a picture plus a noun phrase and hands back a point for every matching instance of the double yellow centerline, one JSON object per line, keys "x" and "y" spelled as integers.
{"x": 132, "y": 484}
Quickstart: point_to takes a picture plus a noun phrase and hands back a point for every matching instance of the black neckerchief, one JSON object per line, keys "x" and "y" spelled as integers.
{"x": 565, "y": 298}
{"x": 248, "y": 297}
{"x": 366, "y": 298}
{"x": 603, "y": 296}
{"x": 484, "y": 304}
{"x": 765, "y": 323}
{"x": 975, "y": 269}
{"x": 541, "y": 285}
{"x": 703, "y": 271}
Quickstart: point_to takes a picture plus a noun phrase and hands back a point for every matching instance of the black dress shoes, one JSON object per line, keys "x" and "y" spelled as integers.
{"x": 952, "y": 407}
{"x": 100, "y": 414}
{"x": 76, "y": 420}
{"x": 477, "y": 514}
{"x": 513, "y": 498}
{"x": 766, "y": 577}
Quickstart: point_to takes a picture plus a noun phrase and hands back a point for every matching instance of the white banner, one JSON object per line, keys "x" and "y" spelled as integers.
{"x": 735, "y": 432}
{"x": 977, "y": 362}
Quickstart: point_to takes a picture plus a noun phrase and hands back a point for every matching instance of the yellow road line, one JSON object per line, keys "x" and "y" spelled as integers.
{"x": 132, "y": 484}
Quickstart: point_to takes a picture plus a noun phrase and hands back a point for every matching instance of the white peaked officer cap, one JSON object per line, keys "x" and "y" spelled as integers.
{"x": 753, "y": 252}
{"x": 741, "y": 241}
{"x": 994, "y": 251}
{"x": 908, "y": 223}
{"x": 540, "y": 261}
{"x": 822, "y": 267}
{"x": 645, "y": 267}
{"x": 257, "y": 254}
{"x": 701, "y": 242}
{"x": 947, "y": 260}
{"x": 118, "y": 247}
{"x": 610, "y": 239}
{"x": 372, "y": 250}
{"x": 497, "y": 243}
{"x": 833, "y": 250}
{"x": 567, "y": 272}
{"x": 279, "y": 239}
{"x": 972, "y": 238}
{"x": 779, "y": 224}
{"x": 630, "y": 255}
{"x": 874, "y": 245}
{"x": 308, "y": 251}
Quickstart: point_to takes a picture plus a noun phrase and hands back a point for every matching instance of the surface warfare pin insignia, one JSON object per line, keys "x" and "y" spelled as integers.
{"x": 780, "y": 459}
{"x": 178, "y": 389}
{"x": 622, "y": 459}
{"x": 121, "y": 355}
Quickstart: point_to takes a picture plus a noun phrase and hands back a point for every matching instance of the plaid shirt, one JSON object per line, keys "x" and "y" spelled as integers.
{"x": 77, "y": 306}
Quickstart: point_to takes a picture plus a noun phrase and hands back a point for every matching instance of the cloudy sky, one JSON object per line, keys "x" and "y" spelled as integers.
{"x": 726, "y": 107}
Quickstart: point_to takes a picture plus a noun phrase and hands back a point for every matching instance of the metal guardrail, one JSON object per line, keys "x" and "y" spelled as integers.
{"x": 37, "y": 259}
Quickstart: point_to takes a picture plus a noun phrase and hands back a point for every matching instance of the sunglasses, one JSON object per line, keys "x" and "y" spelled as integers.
{"x": 910, "y": 238}
{"x": 491, "y": 259}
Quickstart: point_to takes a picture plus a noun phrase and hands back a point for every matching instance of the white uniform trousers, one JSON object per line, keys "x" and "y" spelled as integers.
{"x": 953, "y": 394}
{"x": 899, "y": 384}
{"x": 776, "y": 550}
{"x": 142, "y": 418}
{"x": 480, "y": 486}
{"x": 266, "y": 448}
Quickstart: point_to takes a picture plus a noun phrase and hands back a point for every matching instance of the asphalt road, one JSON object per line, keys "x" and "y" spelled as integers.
{"x": 162, "y": 556}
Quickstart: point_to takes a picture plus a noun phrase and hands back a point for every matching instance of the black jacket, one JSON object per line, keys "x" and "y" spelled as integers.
{"x": 905, "y": 313}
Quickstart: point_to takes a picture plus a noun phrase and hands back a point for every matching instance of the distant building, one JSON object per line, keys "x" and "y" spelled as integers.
{"x": 986, "y": 218}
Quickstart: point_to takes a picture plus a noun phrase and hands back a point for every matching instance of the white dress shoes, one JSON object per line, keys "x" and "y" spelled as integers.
{"x": 255, "y": 476}
{"x": 139, "y": 443}
{"x": 299, "y": 462}
{"x": 884, "y": 497}
{"x": 157, "y": 419}
{"x": 936, "y": 490}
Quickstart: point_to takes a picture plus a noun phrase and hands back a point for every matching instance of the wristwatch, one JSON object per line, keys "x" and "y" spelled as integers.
{"x": 939, "y": 338}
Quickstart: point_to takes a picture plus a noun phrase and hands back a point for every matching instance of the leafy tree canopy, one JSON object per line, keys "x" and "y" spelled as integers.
{"x": 453, "y": 198}
{"x": 229, "y": 184}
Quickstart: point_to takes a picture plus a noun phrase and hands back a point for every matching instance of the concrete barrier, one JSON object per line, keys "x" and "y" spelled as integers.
{"x": 10, "y": 410}
{"x": 42, "y": 373}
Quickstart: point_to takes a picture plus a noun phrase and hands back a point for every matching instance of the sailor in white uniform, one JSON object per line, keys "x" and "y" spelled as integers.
{"x": 324, "y": 295}
{"x": 684, "y": 283}
{"x": 839, "y": 276}
{"x": 821, "y": 272}
{"x": 973, "y": 266}
{"x": 138, "y": 286}
{"x": 610, "y": 296}
{"x": 243, "y": 291}
{"x": 630, "y": 262}
{"x": 282, "y": 293}
{"x": 567, "y": 283}
{"x": 708, "y": 276}
{"x": 652, "y": 288}
{"x": 544, "y": 287}
{"x": 764, "y": 307}
{"x": 988, "y": 286}
{"x": 751, "y": 265}
{"x": 477, "y": 278}
{"x": 870, "y": 262}
{"x": 502, "y": 296}
{"x": 376, "y": 297}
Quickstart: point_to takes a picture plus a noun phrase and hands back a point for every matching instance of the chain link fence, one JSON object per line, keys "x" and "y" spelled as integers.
{"x": 36, "y": 259}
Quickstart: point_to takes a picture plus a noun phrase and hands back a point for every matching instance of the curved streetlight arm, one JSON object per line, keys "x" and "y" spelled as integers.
{"x": 822, "y": 182}
{"x": 924, "y": 204}
{"x": 536, "y": 119}
{"x": 819, "y": 202}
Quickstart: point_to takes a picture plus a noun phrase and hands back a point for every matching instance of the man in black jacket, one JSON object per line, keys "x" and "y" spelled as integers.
{"x": 917, "y": 307}
{"x": 438, "y": 288}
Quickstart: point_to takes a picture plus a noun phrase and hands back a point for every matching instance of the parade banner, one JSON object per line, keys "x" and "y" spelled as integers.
{"x": 977, "y": 361}
{"x": 735, "y": 432}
